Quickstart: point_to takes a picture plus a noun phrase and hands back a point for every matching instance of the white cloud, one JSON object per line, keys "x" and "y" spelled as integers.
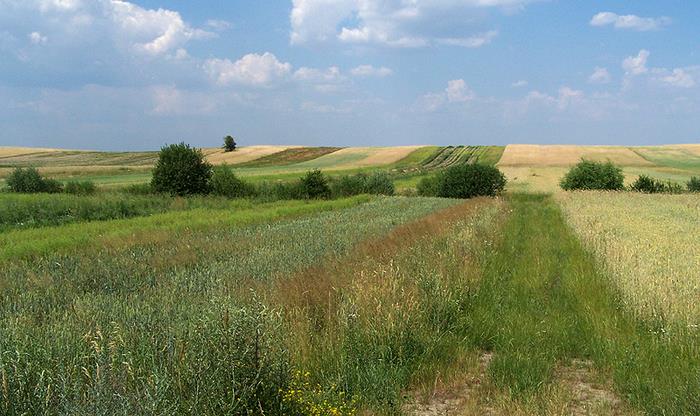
{"x": 457, "y": 91}
{"x": 218, "y": 25}
{"x": 36, "y": 38}
{"x": 636, "y": 65}
{"x": 677, "y": 78}
{"x": 371, "y": 71}
{"x": 600, "y": 76}
{"x": 519, "y": 84}
{"x": 392, "y": 23}
{"x": 252, "y": 69}
{"x": 331, "y": 74}
{"x": 629, "y": 21}
{"x": 476, "y": 41}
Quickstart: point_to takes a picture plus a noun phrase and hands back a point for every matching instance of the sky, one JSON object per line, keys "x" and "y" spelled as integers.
{"x": 135, "y": 75}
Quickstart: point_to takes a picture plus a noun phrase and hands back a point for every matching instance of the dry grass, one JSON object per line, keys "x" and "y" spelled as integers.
{"x": 360, "y": 157}
{"x": 565, "y": 155}
{"x": 21, "y": 151}
{"x": 649, "y": 244}
{"x": 692, "y": 148}
{"x": 243, "y": 154}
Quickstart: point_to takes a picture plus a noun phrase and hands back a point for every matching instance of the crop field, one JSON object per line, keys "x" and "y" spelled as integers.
{"x": 534, "y": 302}
{"x": 649, "y": 244}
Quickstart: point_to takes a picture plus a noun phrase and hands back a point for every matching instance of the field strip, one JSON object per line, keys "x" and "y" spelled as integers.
{"x": 243, "y": 154}
{"x": 568, "y": 155}
{"x": 35, "y": 242}
{"x": 649, "y": 244}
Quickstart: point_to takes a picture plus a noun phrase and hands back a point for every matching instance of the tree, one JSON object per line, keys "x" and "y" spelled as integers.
{"x": 588, "y": 175}
{"x": 470, "y": 180}
{"x": 29, "y": 180}
{"x": 225, "y": 183}
{"x": 229, "y": 144}
{"x": 314, "y": 185}
{"x": 181, "y": 170}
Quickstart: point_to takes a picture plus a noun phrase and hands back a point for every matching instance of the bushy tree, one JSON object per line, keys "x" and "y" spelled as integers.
{"x": 588, "y": 175}
{"x": 470, "y": 180}
{"x": 379, "y": 183}
{"x": 650, "y": 185}
{"x": 429, "y": 185}
{"x": 225, "y": 183}
{"x": 229, "y": 144}
{"x": 181, "y": 170}
{"x": 29, "y": 180}
{"x": 349, "y": 185}
{"x": 314, "y": 185}
{"x": 694, "y": 184}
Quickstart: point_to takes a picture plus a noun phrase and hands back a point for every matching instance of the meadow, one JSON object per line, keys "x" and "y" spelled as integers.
{"x": 536, "y": 302}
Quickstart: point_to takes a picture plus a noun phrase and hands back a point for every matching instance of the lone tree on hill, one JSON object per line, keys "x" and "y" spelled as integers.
{"x": 181, "y": 170}
{"x": 229, "y": 144}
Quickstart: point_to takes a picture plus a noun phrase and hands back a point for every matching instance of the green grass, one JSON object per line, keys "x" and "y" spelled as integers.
{"x": 171, "y": 327}
{"x": 543, "y": 302}
{"x": 670, "y": 157}
{"x": 36, "y": 242}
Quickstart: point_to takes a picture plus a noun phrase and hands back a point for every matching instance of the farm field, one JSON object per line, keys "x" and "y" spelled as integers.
{"x": 535, "y": 302}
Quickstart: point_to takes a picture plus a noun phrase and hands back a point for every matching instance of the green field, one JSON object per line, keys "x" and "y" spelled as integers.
{"x": 535, "y": 302}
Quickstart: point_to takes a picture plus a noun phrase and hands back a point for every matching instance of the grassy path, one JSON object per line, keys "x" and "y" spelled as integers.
{"x": 542, "y": 303}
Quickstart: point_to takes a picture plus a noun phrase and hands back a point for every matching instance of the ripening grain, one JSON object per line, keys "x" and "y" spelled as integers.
{"x": 564, "y": 155}
{"x": 217, "y": 156}
{"x": 649, "y": 244}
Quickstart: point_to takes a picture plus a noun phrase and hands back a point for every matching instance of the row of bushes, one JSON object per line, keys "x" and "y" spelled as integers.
{"x": 589, "y": 175}
{"x": 463, "y": 181}
{"x": 29, "y": 181}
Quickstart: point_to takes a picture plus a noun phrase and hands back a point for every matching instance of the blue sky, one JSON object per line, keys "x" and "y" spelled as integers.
{"x": 113, "y": 75}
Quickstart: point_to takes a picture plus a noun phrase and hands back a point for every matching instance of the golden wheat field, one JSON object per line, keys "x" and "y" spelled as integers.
{"x": 649, "y": 245}
{"x": 567, "y": 155}
{"x": 21, "y": 151}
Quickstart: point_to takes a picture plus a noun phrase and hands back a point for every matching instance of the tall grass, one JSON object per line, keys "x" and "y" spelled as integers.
{"x": 170, "y": 327}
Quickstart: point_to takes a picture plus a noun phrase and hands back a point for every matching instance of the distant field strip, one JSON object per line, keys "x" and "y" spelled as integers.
{"x": 243, "y": 154}
{"x": 455, "y": 155}
{"x": 159, "y": 227}
{"x": 565, "y": 155}
{"x": 291, "y": 156}
{"x": 63, "y": 158}
{"x": 671, "y": 156}
{"x": 650, "y": 244}
{"x": 359, "y": 157}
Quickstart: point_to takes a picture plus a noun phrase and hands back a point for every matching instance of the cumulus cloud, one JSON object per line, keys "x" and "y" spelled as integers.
{"x": 476, "y": 41}
{"x": 629, "y": 21}
{"x": 392, "y": 23}
{"x": 457, "y": 91}
{"x": 36, "y": 38}
{"x": 252, "y": 69}
{"x": 371, "y": 71}
{"x": 679, "y": 77}
{"x": 636, "y": 65}
{"x": 600, "y": 76}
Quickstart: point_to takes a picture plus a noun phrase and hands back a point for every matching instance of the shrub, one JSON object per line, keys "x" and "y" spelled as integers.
{"x": 229, "y": 144}
{"x": 314, "y": 185}
{"x": 429, "y": 185}
{"x": 650, "y": 185}
{"x": 225, "y": 183}
{"x": 593, "y": 175}
{"x": 275, "y": 191}
{"x": 379, "y": 183}
{"x": 694, "y": 184}
{"x": 30, "y": 181}
{"x": 348, "y": 185}
{"x": 139, "y": 189}
{"x": 80, "y": 188}
{"x": 181, "y": 170}
{"x": 471, "y": 180}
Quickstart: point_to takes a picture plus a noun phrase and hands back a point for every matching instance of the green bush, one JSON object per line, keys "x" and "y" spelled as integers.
{"x": 30, "y": 181}
{"x": 314, "y": 185}
{"x": 181, "y": 170}
{"x": 429, "y": 185}
{"x": 349, "y": 185}
{"x": 379, "y": 183}
{"x": 139, "y": 189}
{"x": 650, "y": 185}
{"x": 80, "y": 188}
{"x": 471, "y": 180}
{"x": 276, "y": 191}
{"x": 588, "y": 175}
{"x": 229, "y": 144}
{"x": 694, "y": 184}
{"x": 225, "y": 183}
